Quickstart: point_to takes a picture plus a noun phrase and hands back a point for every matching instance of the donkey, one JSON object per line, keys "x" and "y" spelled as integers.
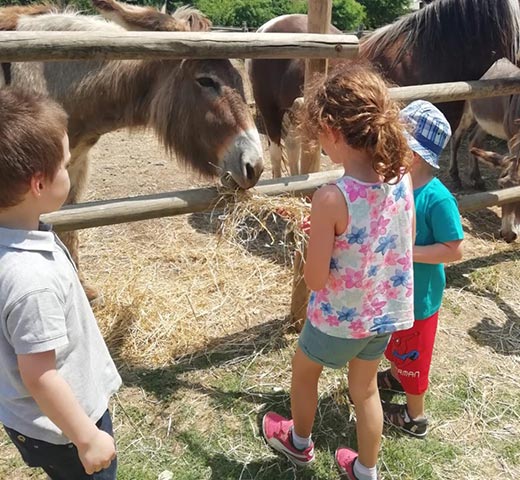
{"x": 8, "y": 20}
{"x": 509, "y": 177}
{"x": 494, "y": 116}
{"x": 197, "y": 108}
{"x": 447, "y": 40}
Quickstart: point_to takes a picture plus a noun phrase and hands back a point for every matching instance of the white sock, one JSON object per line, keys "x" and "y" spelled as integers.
{"x": 301, "y": 443}
{"x": 364, "y": 473}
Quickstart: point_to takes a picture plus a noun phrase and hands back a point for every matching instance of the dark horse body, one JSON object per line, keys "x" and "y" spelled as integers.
{"x": 448, "y": 40}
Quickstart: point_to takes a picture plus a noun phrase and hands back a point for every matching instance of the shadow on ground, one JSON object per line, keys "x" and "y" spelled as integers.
{"x": 269, "y": 238}
{"x": 164, "y": 382}
{"x": 502, "y": 338}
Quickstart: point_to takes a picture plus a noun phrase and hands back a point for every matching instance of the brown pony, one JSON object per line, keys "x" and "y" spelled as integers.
{"x": 495, "y": 116}
{"x": 448, "y": 40}
{"x": 197, "y": 108}
{"x": 509, "y": 166}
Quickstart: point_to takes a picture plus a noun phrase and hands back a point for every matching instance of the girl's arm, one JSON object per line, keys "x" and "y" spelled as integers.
{"x": 56, "y": 400}
{"x": 438, "y": 252}
{"x": 414, "y": 220}
{"x": 327, "y": 207}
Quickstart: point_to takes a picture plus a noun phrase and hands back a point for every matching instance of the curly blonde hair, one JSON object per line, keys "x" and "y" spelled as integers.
{"x": 354, "y": 100}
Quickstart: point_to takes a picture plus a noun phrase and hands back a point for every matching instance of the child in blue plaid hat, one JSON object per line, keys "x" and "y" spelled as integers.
{"x": 438, "y": 240}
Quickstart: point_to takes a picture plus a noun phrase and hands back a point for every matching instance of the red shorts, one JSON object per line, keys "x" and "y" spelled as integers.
{"x": 411, "y": 352}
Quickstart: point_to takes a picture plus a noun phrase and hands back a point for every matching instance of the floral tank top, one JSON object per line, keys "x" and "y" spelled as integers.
{"x": 370, "y": 286}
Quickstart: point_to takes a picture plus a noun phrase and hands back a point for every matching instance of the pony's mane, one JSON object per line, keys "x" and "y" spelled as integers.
{"x": 465, "y": 22}
{"x": 199, "y": 22}
{"x": 66, "y": 20}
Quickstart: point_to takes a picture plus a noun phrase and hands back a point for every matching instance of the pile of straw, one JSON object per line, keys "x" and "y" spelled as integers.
{"x": 187, "y": 285}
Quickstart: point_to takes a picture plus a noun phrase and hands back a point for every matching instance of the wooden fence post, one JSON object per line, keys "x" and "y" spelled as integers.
{"x": 319, "y": 17}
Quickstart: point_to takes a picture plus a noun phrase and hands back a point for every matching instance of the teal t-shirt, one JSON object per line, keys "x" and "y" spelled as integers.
{"x": 437, "y": 220}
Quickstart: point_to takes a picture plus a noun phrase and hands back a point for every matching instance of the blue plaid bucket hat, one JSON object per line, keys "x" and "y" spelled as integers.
{"x": 429, "y": 131}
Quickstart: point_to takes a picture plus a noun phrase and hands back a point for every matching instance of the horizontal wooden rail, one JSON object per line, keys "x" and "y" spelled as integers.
{"x": 109, "y": 212}
{"x": 452, "y": 91}
{"x": 49, "y": 46}
{"x": 478, "y": 201}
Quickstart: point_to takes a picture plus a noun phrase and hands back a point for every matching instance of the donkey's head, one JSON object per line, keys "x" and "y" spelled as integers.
{"x": 509, "y": 166}
{"x": 200, "y": 113}
{"x": 197, "y": 107}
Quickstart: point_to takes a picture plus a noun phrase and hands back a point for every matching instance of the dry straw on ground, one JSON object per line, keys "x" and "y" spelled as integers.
{"x": 188, "y": 294}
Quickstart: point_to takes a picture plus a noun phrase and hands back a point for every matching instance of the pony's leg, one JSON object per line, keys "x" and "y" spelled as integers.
{"x": 276, "y": 154}
{"x": 478, "y": 135}
{"x": 78, "y": 173}
{"x": 466, "y": 122}
{"x": 292, "y": 144}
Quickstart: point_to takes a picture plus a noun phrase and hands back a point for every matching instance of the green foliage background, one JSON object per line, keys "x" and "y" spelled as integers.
{"x": 346, "y": 14}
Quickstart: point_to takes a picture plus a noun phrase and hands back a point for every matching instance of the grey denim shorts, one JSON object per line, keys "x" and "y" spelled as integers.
{"x": 335, "y": 352}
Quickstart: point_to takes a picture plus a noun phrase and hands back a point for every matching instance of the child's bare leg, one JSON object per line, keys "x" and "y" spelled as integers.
{"x": 362, "y": 385}
{"x": 304, "y": 392}
{"x": 415, "y": 405}
{"x": 393, "y": 370}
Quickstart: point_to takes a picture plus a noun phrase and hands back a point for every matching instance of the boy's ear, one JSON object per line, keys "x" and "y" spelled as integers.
{"x": 37, "y": 184}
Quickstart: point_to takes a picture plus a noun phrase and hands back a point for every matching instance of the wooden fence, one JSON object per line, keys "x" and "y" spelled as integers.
{"x": 57, "y": 46}
{"x": 95, "y": 214}
{"x": 122, "y": 210}
{"x": 53, "y": 46}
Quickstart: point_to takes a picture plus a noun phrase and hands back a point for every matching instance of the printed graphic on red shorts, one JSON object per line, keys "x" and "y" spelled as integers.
{"x": 405, "y": 349}
{"x": 411, "y": 352}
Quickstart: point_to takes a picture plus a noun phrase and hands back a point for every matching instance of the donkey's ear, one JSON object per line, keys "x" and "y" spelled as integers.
{"x": 163, "y": 9}
{"x": 132, "y": 17}
{"x": 491, "y": 158}
{"x": 195, "y": 20}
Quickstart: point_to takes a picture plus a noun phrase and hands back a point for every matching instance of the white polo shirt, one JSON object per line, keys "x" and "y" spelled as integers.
{"x": 43, "y": 307}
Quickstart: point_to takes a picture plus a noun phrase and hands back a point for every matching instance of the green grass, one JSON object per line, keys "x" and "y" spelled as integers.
{"x": 205, "y": 424}
{"x": 199, "y": 418}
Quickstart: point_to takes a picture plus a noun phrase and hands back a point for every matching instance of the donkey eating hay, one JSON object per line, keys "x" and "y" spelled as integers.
{"x": 197, "y": 108}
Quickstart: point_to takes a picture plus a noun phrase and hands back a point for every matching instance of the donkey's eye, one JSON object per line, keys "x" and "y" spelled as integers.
{"x": 207, "y": 82}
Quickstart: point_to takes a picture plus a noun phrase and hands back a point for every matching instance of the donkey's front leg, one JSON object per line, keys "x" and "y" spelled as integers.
{"x": 466, "y": 123}
{"x": 478, "y": 135}
{"x": 78, "y": 173}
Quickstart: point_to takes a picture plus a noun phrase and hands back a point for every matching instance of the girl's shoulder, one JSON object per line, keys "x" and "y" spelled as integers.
{"x": 328, "y": 195}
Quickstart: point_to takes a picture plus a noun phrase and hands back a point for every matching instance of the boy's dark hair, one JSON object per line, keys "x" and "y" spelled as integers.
{"x": 32, "y": 127}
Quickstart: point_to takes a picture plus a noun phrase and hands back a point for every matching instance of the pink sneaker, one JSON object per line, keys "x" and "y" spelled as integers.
{"x": 277, "y": 433}
{"x": 345, "y": 458}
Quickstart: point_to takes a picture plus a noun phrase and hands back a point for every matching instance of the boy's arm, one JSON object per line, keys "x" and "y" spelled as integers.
{"x": 55, "y": 398}
{"x": 438, "y": 252}
{"x": 326, "y": 203}
{"x": 444, "y": 218}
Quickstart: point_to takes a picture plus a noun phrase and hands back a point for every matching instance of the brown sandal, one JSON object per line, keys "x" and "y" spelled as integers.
{"x": 386, "y": 381}
{"x": 397, "y": 416}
